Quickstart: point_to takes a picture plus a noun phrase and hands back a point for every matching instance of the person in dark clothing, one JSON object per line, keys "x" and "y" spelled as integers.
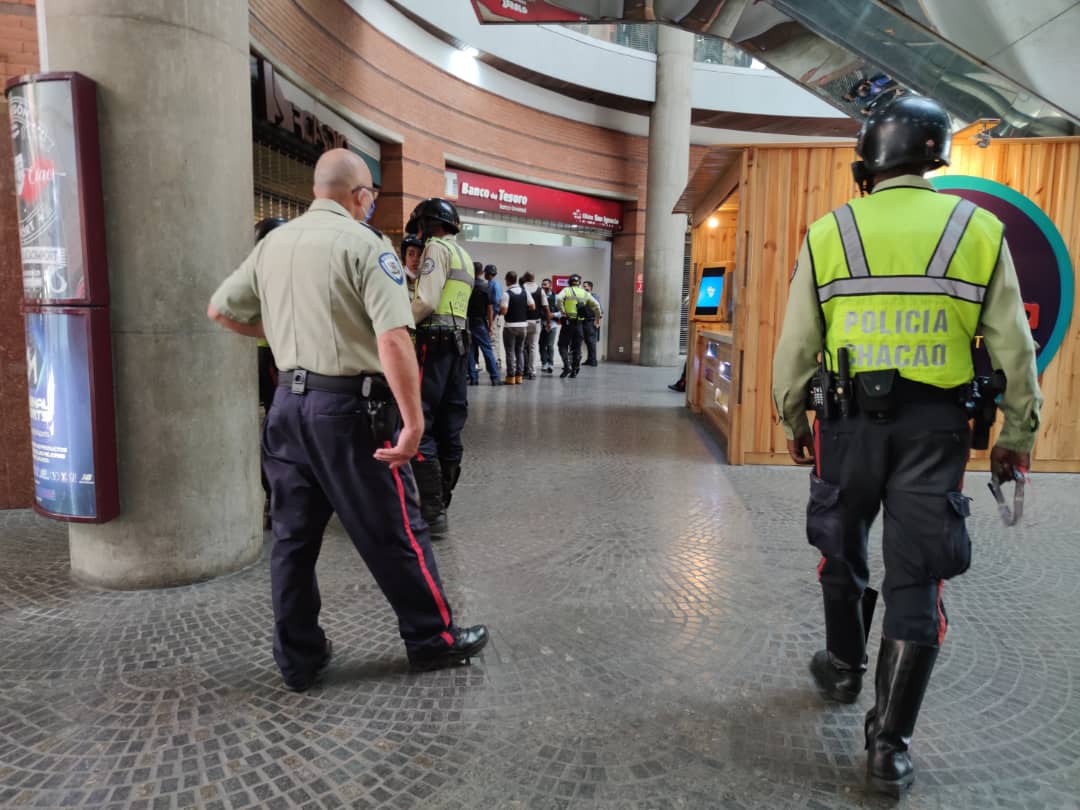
{"x": 481, "y": 315}
{"x": 549, "y": 328}
{"x": 515, "y": 307}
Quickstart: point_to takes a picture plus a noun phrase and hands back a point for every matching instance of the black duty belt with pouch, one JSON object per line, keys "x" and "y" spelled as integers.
{"x": 876, "y": 394}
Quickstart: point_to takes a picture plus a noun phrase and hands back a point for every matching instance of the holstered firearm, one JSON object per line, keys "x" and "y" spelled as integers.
{"x": 981, "y": 406}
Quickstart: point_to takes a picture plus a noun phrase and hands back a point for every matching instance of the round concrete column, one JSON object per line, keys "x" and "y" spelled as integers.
{"x": 669, "y": 165}
{"x": 175, "y": 119}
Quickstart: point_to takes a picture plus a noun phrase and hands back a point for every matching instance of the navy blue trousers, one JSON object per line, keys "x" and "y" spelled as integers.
{"x": 317, "y": 456}
{"x": 912, "y": 466}
{"x": 481, "y": 343}
{"x": 444, "y": 395}
{"x": 570, "y": 338}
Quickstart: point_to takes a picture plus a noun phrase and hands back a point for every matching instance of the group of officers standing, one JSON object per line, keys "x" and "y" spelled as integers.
{"x": 329, "y": 295}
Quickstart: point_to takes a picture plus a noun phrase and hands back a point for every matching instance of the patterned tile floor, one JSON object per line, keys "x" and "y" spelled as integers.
{"x": 652, "y": 614}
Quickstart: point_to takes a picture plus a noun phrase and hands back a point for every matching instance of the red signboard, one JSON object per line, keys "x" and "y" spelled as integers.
{"x": 529, "y": 11}
{"x": 559, "y": 283}
{"x": 496, "y": 194}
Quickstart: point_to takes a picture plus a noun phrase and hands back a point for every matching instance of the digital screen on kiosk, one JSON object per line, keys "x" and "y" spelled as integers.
{"x": 710, "y": 290}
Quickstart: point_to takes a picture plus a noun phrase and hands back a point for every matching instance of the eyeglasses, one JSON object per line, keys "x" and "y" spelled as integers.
{"x": 373, "y": 191}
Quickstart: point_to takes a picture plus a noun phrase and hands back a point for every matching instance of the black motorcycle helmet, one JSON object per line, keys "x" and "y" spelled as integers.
{"x": 264, "y": 226}
{"x": 575, "y": 280}
{"x": 910, "y": 131}
{"x": 434, "y": 209}
{"x": 410, "y": 241}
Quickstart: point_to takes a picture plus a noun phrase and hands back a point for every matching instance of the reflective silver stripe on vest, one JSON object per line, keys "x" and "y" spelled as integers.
{"x": 950, "y": 240}
{"x": 849, "y": 235}
{"x": 436, "y": 319}
{"x": 903, "y": 285}
{"x": 465, "y": 272}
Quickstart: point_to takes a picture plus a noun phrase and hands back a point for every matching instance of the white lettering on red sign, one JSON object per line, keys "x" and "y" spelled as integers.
{"x": 502, "y": 195}
{"x": 520, "y": 8}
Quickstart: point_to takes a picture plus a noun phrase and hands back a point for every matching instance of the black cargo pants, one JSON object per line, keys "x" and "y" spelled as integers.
{"x": 913, "y": 466}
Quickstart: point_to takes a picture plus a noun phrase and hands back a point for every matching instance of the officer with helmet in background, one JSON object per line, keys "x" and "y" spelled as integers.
{"x": 891, "y": 289}
{"x": 440, "y": 308}
{"x": 577, "y": 306}
{"x": 412, "y": 247}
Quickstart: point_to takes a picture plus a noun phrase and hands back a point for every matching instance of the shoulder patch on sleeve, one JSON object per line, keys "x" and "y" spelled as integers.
{"x": 428, "y": 267}
{"x": 392, "y": 267}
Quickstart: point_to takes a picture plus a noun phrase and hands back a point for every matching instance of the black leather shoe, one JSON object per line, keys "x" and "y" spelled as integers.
{"x": 438, "y": 527}
{"x": 565, "y": 373}
{"x": 303, "y": 686}
{"x": 835, "y": 679}
{"x": 573, "y": 373}
{"x": 469, "y": 642}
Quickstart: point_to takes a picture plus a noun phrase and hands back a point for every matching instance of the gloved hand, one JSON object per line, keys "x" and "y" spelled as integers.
{"x": 1005, "y": 464}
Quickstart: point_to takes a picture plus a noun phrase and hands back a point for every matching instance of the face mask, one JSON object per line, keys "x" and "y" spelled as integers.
{"x": 370, "y": 213}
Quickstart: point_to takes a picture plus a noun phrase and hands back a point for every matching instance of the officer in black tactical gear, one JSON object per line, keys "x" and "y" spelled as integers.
{"x": 891, "y": 290}
{"x": 440, "y": 307}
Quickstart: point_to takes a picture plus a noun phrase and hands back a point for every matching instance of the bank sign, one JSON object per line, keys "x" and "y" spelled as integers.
{"x": 1039, "y": 253}
{"x": 495, "y": 194}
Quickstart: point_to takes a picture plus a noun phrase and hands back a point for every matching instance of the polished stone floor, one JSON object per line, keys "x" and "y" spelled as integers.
{"x": 652, "y": 613}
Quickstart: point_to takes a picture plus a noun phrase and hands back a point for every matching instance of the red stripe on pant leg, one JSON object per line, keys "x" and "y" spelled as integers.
{"x": 820, "y": 566}
{"x": 435, "y": 592}
{"x": 943, "y": 625}
{"x": 817, "y": 448}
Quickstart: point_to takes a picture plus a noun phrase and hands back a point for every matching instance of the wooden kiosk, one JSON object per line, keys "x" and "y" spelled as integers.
{"x": 750, "y": 208}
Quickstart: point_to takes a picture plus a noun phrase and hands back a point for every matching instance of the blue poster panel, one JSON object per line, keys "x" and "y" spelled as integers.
{"x": 58, "y": 374}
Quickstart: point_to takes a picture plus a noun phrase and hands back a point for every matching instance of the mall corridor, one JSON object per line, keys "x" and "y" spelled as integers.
{"x": 652, "y": 615}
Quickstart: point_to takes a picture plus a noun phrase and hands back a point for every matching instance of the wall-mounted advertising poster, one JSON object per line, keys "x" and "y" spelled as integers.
{"x": 1042, "y": 261}
{"x": 71, "y": 480}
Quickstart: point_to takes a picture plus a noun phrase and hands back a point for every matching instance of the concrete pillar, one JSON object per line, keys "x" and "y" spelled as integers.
{"x": 669, "y": 166}
{"x": 175, "y": 119}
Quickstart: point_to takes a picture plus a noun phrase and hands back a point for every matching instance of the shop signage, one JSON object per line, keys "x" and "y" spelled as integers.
{"x": 498, "y": 195}
{"x": 559, "y": 283}
{"x": 529, "y": 11}
{"x": 282, "y": 110}
{"x": 1042, "y": 261}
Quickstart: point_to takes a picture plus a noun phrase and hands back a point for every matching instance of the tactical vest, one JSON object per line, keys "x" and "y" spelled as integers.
{"x": 517, "y": 308}
{"x": 453, "y": 306}
{"x": 901, "y": 276}
{"x": 479, "y": 299}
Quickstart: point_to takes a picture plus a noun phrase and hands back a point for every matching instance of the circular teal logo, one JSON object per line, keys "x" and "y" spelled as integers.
{"x": 1042, "y": 261}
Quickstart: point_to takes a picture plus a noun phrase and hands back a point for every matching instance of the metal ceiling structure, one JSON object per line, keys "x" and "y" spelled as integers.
{"x": 1011, "y": 65}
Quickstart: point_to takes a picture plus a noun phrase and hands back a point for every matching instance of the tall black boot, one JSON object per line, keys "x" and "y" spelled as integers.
{"x": 451, "y": 472}
{"x": 428, "y": 475}
{"x": 838, "y": 669}
{"x": 903, "y": 672}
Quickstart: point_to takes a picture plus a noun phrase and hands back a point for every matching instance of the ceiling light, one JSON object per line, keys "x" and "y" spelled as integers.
{"x": 470, "y": 51}
{"x": 713, "y": 222}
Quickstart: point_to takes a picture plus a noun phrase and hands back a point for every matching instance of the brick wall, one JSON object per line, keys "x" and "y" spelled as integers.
{"x": 18, "y": 55}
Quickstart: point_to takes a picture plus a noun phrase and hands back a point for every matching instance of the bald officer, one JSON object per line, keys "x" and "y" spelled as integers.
{"x": 328, "y": 294}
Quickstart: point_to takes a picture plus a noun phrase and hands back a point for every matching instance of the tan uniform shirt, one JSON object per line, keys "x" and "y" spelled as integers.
{"x": 325, "y": 287}
{"x": 1003, "y": 326}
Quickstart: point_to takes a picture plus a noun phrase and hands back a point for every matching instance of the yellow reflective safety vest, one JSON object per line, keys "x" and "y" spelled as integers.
{"x": 574, "y": 297}
{"x": 901, "y": 276}
{"x": 454, "y": 302}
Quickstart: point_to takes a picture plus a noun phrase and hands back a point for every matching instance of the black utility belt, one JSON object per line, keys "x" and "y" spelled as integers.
{"x": 369, "y": 386}
{"x": 879, "y": 395}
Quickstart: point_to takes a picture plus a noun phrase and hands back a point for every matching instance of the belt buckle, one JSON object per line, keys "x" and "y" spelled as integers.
{"x": 299, "y": 381}
{"x": 365, "y": 388}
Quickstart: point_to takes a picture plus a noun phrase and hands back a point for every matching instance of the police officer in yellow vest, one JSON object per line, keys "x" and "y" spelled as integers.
{"x": 577, "y": 306}
{"x": 440, "y": 307}
{"x": 901, "y": 281}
